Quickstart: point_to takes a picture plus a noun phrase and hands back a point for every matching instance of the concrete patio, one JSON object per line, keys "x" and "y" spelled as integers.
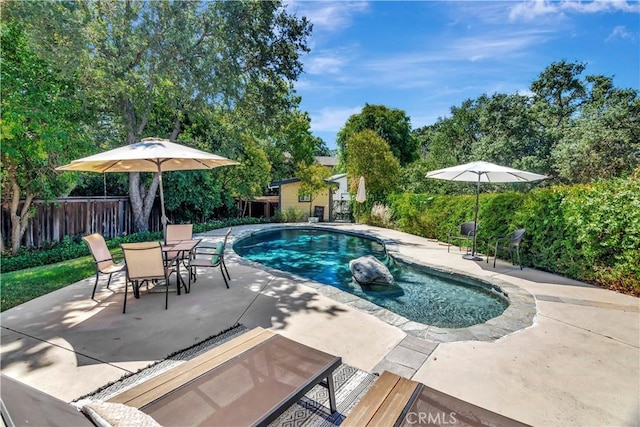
{"x": 572, "y": 358}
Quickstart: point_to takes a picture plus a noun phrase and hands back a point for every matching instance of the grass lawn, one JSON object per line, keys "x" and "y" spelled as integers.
{"x": 18, "y": 287}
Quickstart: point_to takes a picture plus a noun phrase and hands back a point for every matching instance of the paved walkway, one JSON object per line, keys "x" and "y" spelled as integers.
{"x": 567, "y": 354}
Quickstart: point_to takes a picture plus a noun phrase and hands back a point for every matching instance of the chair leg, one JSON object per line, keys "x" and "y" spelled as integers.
{"x": 495, "y": 255}
{"x": 166, "y": 291}
{"x": 126, "y": 288}
{"x": 225, "y": 269}
{"x": 518, "y": 253}
{"x": 109, "y": 281}
{"x": 223, "y": 276}
{"x": 95, "y": 285}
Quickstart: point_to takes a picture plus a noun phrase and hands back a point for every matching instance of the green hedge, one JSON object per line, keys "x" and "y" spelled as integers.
{"x": 71, "y": 248}
{"x": 587, "y": 232}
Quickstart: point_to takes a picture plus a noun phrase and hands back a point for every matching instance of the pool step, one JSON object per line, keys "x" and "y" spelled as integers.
{"x": 407, "y": 357}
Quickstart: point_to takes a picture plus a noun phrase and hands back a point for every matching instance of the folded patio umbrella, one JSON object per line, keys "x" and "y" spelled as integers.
{"x": 361, "y": 195}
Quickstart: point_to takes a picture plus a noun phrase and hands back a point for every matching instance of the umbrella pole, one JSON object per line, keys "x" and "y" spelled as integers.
{"x": 163, "y": 218}
{"x": 473, "y": 256}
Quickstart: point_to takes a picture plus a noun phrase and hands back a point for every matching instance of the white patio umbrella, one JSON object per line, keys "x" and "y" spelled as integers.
{"x": 361, "y": 195}
{"x": 149, "y": 155}
{"x": 482, "y": 172}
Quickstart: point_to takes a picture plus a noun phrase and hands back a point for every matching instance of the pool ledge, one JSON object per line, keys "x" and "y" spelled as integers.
{"x": 520, "y": 313}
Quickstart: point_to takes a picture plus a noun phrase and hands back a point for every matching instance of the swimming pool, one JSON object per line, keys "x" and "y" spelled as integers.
{"x": 421, "y": 295}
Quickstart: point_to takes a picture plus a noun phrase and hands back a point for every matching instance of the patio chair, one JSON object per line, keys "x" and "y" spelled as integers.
{"x": 397, "y": 401}
{"x": 145, "y": 264}
{"x": 208, "y": 257}
{"x": 510, "y": 243}
{"x": 176, "y": 233}
{"x": 102, "y": 258}
{"x": 462, "y": 233}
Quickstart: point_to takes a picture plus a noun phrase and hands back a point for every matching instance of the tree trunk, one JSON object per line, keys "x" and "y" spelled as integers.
{"x": 141, "y": 200}
{"x": 19, "y": 222}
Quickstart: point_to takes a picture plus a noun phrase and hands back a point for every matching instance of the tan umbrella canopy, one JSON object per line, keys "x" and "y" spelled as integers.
{"x": 483, "y": 172}
{"x": 361, "y": 195}
{"x": 149, "y": 155}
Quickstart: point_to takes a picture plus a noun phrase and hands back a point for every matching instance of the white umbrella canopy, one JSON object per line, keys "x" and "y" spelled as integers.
{"x": 480, "y": 172}
{"x": 484, "y": 172}
{"x": 149, "y": 155}
{"x": 361, "y": 195}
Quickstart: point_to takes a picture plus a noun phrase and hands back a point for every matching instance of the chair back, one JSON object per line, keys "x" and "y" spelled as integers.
{"x": 99, "y": 250}
{"x": 176, "y": 232}
{"x": 226, "y": 236}
{"x": 517, "y": 236}
{"x": 144, "y": 260}
{"x": 468, "y": 228}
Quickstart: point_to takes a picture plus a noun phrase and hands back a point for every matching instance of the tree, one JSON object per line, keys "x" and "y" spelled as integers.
{"x": 558, "y": 93}
{"x": 137, "y": 57}
{"x": 247, "y": 180}
{"x": 369, "y": 155}
{"x": 390, "y": 124}
{"x": 41, "y": 128}
{"x": 604, "y": 140}
{"x": 312, "y": 181}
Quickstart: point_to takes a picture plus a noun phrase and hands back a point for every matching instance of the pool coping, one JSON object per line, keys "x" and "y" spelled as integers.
{"x": 519, "y": 314}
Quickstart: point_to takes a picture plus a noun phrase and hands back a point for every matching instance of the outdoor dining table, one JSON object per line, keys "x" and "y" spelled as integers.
{"x": 181, "y": 248}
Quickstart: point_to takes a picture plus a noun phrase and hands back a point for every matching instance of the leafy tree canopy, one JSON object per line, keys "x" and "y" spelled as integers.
{"x": 390, "y": 124}
{"x": 42, "y": 127}
{"x": 369, "y": 155}
{"x": 150, "y": 67}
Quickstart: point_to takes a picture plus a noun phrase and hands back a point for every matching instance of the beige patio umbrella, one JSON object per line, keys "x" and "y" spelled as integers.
{"x": 149, "y": 155}
{"x": 361, "y": 195}
{"x": 482, "y": 172}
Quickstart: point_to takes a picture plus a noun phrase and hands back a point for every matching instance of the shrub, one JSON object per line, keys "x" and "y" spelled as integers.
{"x": 291, "y": 215}
{"x": 381, "y": 215}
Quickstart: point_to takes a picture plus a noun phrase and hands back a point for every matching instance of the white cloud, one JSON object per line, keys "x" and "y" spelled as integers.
{"x": 328, "y": 15}
{"x": 324, "y": 65}
{"x": 529, "y": 10}
{"x": 598, "y": 6}
{"x": 332, "y": 119}
{"x": 621, "y": 32}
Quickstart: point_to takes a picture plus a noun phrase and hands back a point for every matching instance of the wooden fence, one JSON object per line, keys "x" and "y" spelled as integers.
{"x": 77, "y": 216}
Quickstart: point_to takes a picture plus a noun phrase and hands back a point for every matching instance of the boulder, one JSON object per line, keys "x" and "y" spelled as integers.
{"x": 368, "y": 270}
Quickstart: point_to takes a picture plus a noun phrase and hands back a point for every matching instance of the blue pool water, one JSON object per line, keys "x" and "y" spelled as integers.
{"x": 419, "y": 295}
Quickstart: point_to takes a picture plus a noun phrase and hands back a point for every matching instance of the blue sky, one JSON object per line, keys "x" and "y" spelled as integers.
{"x": 424, "y": 57}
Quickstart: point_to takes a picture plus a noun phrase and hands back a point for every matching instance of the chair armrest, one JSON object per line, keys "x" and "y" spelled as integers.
{"x": 209, "y": 250}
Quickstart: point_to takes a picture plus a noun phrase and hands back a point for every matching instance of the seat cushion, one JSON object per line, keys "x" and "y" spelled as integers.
{"x": 107, "y": 414}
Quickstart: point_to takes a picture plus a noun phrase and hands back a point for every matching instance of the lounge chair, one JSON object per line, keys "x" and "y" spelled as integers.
{"x": 102, "y": 258}
{"x": 210, "y": 257}
{"x": 23, "y": 405}
{"x": 509, "y": 243}
{"x": 249, "y": 380}
{"x": 397, "y": 401}
{"x": 145, "y": 263}
{"x": 463, "y": 232}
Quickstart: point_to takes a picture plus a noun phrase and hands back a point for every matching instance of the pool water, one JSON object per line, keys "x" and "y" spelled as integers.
{"x": 419, "y": 295}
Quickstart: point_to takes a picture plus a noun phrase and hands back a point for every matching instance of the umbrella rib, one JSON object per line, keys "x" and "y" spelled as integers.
{"x": 115, "y": 162}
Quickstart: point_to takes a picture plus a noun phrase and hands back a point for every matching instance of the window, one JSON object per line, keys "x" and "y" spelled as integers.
{"x": 304, "y": 198}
